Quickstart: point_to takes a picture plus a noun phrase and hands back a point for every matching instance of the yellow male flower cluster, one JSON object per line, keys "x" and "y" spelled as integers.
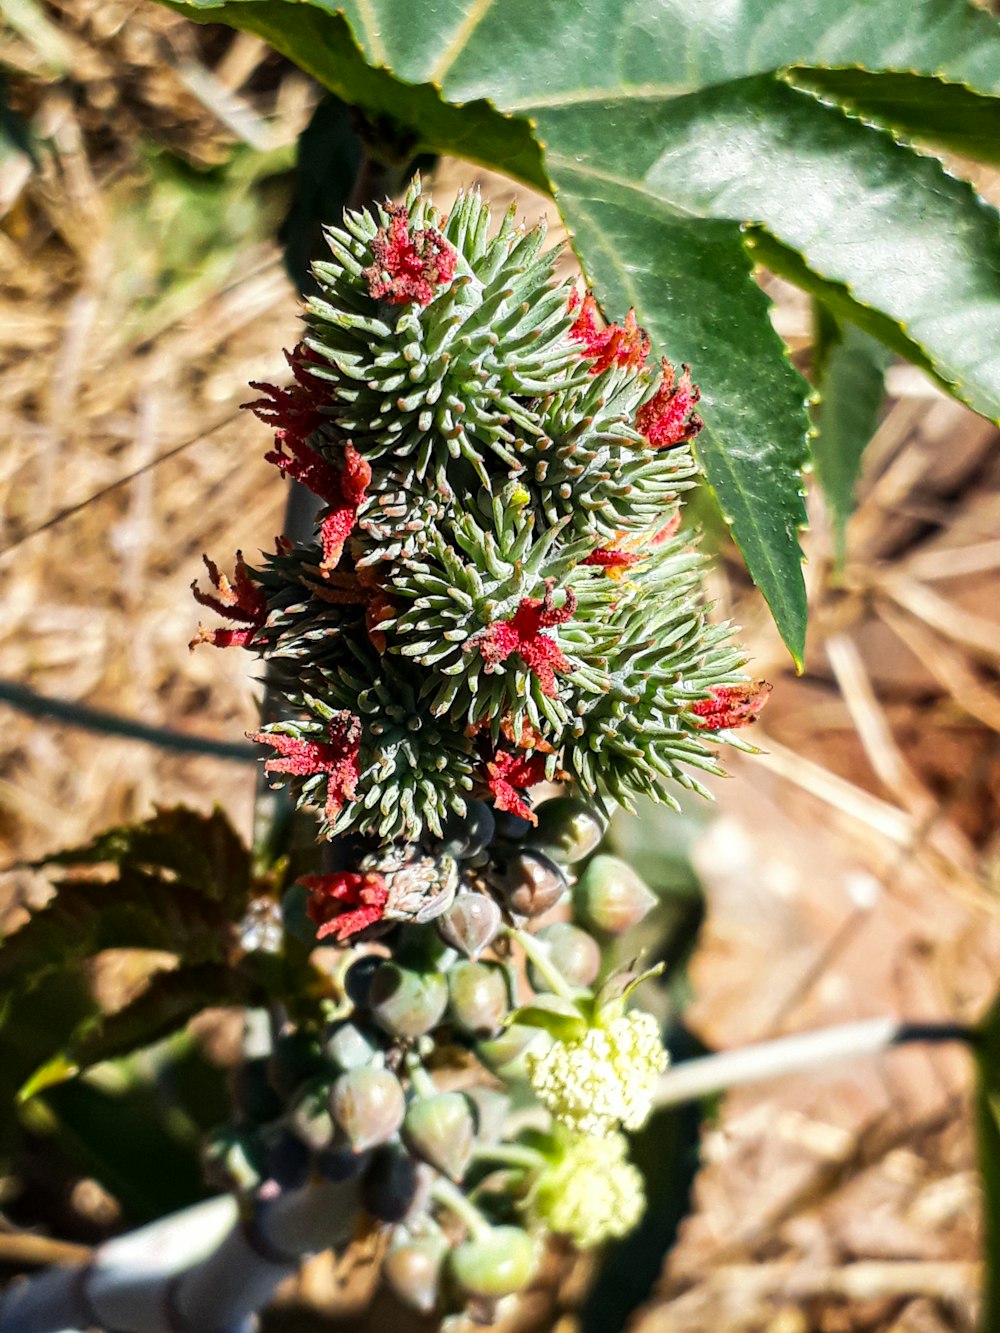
{"x": 604, "y": 1078}
{"x": 592, "y": 1193}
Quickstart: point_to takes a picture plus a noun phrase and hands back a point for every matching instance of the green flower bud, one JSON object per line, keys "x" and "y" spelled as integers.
{"x": 413, "y": 1268}
{"x": 497, "y": 1263}
{"x": 492, "y": 1108}
{"x": 568, "y": 829}
{"x": 309, "y": 1117}
{"x": 233, "y": 1160}
{"x": 347, "y": 1047}
{"x": 611, "y": 896}
{"x": 572, "y": 951}
{"x": 406, "y": 1003}
{"x": 441, "y": 1129}
{"x": 592, "y": 1193}
{"x": 368, "y": 1105}
{"x": 479, "y": 998}
{"x": 471, "y": 924}
{"x": 506, "y": 1054}
{"x": 297, "y": 1056}
{"x": 533, "y": 883}
{"x": 465, "y": 836}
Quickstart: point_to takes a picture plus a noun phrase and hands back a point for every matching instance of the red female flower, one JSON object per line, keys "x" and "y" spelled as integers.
{"x": 346, "y": 902}
{"x": 668, "y": 418}
{"x": 507, "y": 775}
{"x": 522, "y": 634}
{"x": 295, "y": 412}
{"x": 622, "y": 344}
{"x": 408, "y": 265}
{"x": 338, "y": 759}
{"x": 611, "y": 559}
{"x": 731, "y": 706}
{"x": 237, "y": 599}
{"x": 342, "y": 490}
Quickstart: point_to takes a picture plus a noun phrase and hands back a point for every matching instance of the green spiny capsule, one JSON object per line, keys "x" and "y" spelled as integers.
{"x": 568, "y": 829}
{"x": 572, "y": 951}
{"x": 309, "y": 1116}
{"x": 441, "y": 1129}
{"x": 297, "y": 1056}
{"x": 413, "y": 1268}
{"x": 611, "y": 896}
{"x": 533, "y": 883}
{"x": 407, "y": 1003}
{"x": 497, "y": 1263}
{"x": 346, "y": 1047}
{"x": 471, "y": 924}
{"x": 368, "y": 1105}
{"x": 478, "y": 998}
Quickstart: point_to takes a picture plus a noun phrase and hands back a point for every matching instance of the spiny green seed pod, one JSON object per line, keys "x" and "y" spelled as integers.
{"x": 413, "y": 1268}
{"x": 347, "y": 1047}
{"x": 407, "y": 1003}
{"x": 572, "y": 951}
{"x": 368, "y": 1105}
{"x": 309, "y": 1116}
{"x": 441, "y": 1129}
{"x": 497, "y": 1263}
{"x": 496, "y": 594}
{"x": 471, "y": 924}
{"x": 611, "y": 896}
{"x": 568, "y": 829}
{"x": 478, "y": 998}
{"x": 533, "y": 883}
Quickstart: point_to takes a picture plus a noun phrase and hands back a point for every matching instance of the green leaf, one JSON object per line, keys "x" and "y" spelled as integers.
{"x": 136, "y": 911}
{"x": 561, "y": 1026}
{"x": 850, "y": 368}
{"x": 166, "y": 1005}
{"x": 928, "y": 110}
{"x": 204, "y": 852}
{"x": 668, "y": 130}
{"x": 988, "y": 1123}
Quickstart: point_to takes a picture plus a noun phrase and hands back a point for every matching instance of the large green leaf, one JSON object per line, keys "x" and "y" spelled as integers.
{"x": 850, "y": 368}
{"x": 668, "y": 126}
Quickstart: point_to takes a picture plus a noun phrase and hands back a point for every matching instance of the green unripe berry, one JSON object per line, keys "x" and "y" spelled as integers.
{"x": 611, "y": 896}
{"x": 470, "y": 924}
{"x": 568, "y": 829}
{"x": 533, "y": 883}
{"x": 478, "y": 998}
{"x": 441, "y": 1130}
{"x": 497, "y": 1263}
{"x": 309, "y": 1117}
{"x": 407, "y": 1003}
{"x": 346, "y": 1047}
{"x": 368, "y": 1105}
{"x": 572, "y": 951}
{"x": 413, "y": 1269}
{"x": 492, "y": 1107}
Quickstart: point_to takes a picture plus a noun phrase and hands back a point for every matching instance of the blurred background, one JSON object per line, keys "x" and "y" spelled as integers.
{"x": 149, "y": 204}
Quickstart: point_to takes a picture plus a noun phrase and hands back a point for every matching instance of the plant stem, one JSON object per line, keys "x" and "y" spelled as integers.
{"x": 421, "y": 1081}
{"x": 710, "y": 1074}
{"x": 451, "y": 1197}
{"x": 510, "y": 1154}
{"x": 537, "y": 954}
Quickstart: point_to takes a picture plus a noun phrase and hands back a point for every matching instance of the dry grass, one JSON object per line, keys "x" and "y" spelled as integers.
{"x": 856, "y": 873}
